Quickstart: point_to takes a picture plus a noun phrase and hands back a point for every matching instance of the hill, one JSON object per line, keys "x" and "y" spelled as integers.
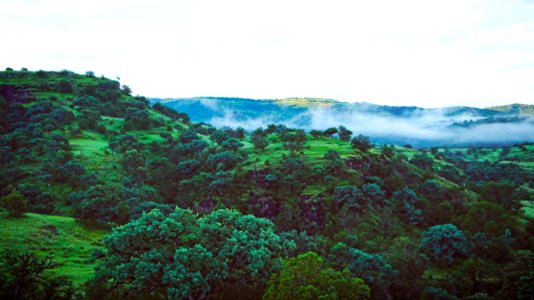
{"x": 515, "y": 109}
{"x": 196, "y": 211}
{"x": 385, "y": 124}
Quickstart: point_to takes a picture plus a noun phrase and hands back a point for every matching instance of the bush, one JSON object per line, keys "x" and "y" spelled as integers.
{"x": 23, "y": 276}
{"x": 65, "y": 87}
{"x": 15, "y": 203}
{"x": 444, "y": 242}
{"x": 361, "y": 142}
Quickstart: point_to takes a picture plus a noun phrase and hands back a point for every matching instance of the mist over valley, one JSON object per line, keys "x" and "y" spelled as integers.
{"x": 384, "y": 124}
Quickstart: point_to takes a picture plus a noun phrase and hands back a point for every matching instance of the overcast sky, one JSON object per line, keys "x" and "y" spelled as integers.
{"x": 425, "y": 53}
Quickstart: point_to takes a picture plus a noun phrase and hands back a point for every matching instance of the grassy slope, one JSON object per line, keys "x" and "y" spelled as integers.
{"x": 524, "y": 158}
{"x": 314, "y": 150}
{"x": 71, "y": 245}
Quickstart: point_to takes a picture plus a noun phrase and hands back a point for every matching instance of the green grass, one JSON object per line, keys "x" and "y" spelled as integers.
{"x": 93, "y": 152}
{"x": 314, "y": 150}
{"x": 71, "y": 244}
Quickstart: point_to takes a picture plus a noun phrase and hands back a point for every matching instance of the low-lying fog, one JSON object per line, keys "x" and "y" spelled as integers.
{"x": 421, "y": 127}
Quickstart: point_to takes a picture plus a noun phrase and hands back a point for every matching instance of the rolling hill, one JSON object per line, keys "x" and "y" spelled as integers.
{"x": 138, "y": 201}
{"x": 386, "y": 124}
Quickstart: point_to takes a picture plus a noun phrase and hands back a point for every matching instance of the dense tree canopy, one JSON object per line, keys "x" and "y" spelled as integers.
{"x": 186, "y": 256}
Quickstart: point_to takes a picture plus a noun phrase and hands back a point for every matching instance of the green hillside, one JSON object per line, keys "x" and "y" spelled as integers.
{"x": 520, "y": 109}
{"x": 136, "y": 201}
{"x": 70, "y": 242}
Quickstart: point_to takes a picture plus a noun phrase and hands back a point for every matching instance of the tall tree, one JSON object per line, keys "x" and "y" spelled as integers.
{"x": 309, "y": 277}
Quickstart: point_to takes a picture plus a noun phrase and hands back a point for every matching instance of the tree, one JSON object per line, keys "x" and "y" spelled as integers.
{"x": 23, "y": 276}
{"x": 422, "y": 161}
{"x": 188, "y": 167}
{"x": 309, "y": 277}
{"x": 330, "y": 131}
{"x": 15, "y": 203}
{"x": 294, "y": 140}
{"x": 499, "y": 192}
{"x": 231, "y": 144}
{"x": 405, "y": 257}
{"x": 219, "y": 136}
{"x": 258, "y": 139}
{"x": 184, "y": 256}
{"x": 350, "y": 196}
{"x": 316, "y": 133}
{"x": 225, "y": 160}
{"x": 373, "y": 192}
{"x": 361, "y": 142}
{"x": 188, "y": 136}
{"x": 137, "y": 119}
{"x": 373, "y": 268}
{"x": 344, "y": 134}
{"x": 65, "y": 87}
{"x": 408, "y": 201}
{"x": 193, "y": 148}
{"x": 332, "y": 155}
{"x": 444, "y": 242}
{"x": 99, "y": 203}
{"x": 126, "y": 89}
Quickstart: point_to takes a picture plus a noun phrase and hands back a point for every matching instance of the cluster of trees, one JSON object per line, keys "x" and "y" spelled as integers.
{"x": 199, "y": 218}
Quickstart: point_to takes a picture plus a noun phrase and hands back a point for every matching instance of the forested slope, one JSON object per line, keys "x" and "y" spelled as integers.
{"x": 201, "y": 212}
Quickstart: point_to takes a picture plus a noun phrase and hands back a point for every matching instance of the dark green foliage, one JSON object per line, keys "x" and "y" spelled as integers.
{"x": 100, "y": 203}
{"x": 408, "y": 201}
{"x": 330, "y": 131}
{"x": 231, "y": 144}
{"x": 423, "y": 161}
{"x": 258, "y": 139}
{"x": 294, "y": 140}
{"x": 373, "y": 268}
{"x": 445, "y": 242}
{"x": 188, "y": 167}
{"x": 54, "y": 151}
{"x": 344, "y": 134}
{"x": 23, "y": 276}
{"x": 438, "y": 294}
{"x": 373, "y": 193}
{"x": 350, "y": 196}
{"x": 15, "y": 203}
{"x": 405, "y": 257}
{"x": 65, "y": 87}
{"x": 136, "y": 119}
{"x": 184, "y": 255}
{"x": 224, "y": 160}
{"x": 219, "y": 136}
{"x": 361, "y": 142}
{"x": 316, "y": 133}
{"x": 499, "y": 192}
{"x": 191, "y": 149}
{"x": 88, "y": 118}
{"x": 146, "y": 207}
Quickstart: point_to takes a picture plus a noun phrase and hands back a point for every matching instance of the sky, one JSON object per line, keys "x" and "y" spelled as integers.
{"x": 413, "y": 52}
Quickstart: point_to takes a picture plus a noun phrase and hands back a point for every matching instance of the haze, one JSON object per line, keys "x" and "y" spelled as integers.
{"x": 424, "y": 128}
{"x": 423, "y": 53}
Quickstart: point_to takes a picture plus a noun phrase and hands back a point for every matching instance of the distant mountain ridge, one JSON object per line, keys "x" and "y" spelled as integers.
{"x": 388, "y": 124}
{"x": 519, "y": 109}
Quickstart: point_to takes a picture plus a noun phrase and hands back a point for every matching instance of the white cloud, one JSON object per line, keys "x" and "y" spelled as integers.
{"x": 414, "y": 52}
